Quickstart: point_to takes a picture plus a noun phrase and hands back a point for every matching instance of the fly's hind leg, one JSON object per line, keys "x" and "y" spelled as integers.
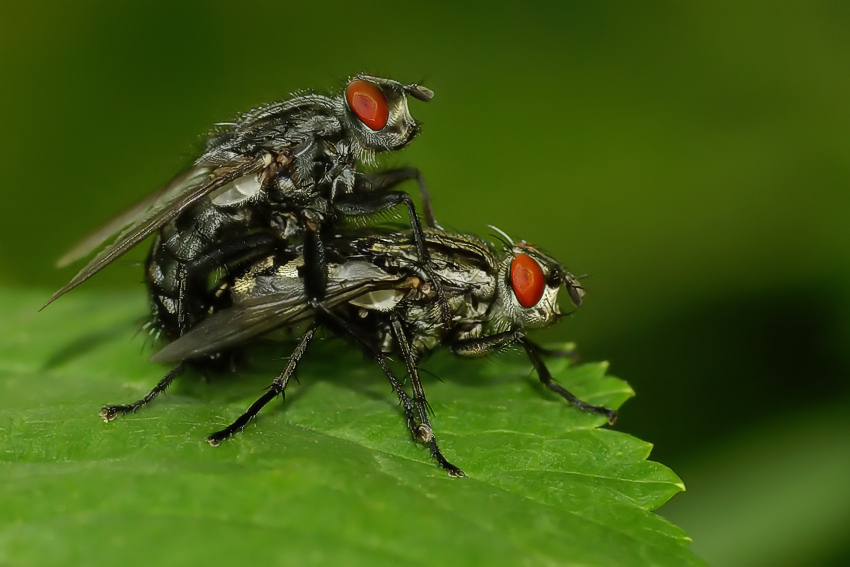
{"x": 419, "y": 400}
{"x": 421, "y": 429}
{"x": 110, "y": 412}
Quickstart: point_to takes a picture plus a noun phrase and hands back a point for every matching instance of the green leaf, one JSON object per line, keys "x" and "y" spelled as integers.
{"x": 329, "y": 475}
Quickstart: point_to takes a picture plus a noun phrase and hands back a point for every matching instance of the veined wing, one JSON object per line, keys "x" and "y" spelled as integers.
{"x": 253, "y": 316}
{"x": 150, "y": 215}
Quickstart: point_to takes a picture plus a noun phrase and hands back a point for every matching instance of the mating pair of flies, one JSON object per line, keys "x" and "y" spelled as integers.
{"x": 252, "y": 238}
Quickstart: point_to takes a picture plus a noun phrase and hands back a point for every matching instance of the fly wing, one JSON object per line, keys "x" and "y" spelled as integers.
{"x": 234, "y": 326}
{"x": 150, "y": 215}
{"x": 257, "y": 315}
{"x": 192, "y": 177}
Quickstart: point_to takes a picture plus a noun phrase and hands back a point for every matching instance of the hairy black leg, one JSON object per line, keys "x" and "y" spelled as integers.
{"x": 315, "y": 271}
{"x": 277, "y": 387}
{"x": 421, "y": 431}
{"x": 343, "y": 327}
{"x": 110, "y": 412}
{"x": 487, "y": 345}
{"x": 194, "y": 274}
{"x": 419, "y": 396}
{"x": 543, "y": 373}
{"x": 385, "y": 180}
{"x": 359, "y": 205}
{"x": 570, "y": 353}
{"x": 415, "y": 428}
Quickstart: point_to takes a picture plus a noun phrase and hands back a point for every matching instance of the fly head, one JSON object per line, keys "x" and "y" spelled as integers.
{"x": 528, "y": 286}
{"x": 376, "y": 112}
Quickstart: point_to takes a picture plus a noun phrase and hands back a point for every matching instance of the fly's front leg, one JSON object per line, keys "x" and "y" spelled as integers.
{"x": 110, "y": 412}
{"x": 487, "y": 345}
{"x": 360, "y": 205}
{"x": 423, "y": 434}
{"x": 385, "y": 180}
{"x": 277, "y": 388}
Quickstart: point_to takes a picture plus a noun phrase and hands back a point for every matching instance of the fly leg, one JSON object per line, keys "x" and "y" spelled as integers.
{"x": 315, "y": 271}
{"x": 315, "y": 284}
{"x": 110, "y": 412}
{"x": 360, "y": 205}
{"x": 421, "y": 430}
{"x": 242, "y": 250}
{"x": 570, "y": 352}
{"x": 425, "y": 433}
{"x": 384, "y": 180}
{"x": 277, "y": 388}
{"x": 487, "y": 345}
{"x": 230, "y": 256}
{"x": 190, "y": 299}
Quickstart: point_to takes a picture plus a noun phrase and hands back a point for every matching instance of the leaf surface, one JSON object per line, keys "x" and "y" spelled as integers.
{"x": 328, "y": 475}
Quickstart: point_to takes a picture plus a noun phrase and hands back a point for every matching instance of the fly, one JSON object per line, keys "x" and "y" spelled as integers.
{"x": 280, "y": 174}
{"x": 379, "y": 296}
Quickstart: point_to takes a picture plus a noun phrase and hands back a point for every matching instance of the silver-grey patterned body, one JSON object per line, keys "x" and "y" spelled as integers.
{"x": 379, "y": 275}
{"x": 380, "y": 296}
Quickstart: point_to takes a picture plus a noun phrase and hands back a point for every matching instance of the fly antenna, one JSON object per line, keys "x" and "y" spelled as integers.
{"x": 504, "y": 236}
{"x": 419, "y": 92}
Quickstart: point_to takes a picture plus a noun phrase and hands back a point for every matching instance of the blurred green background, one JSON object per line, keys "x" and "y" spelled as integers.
{"x": 691, "y": 159}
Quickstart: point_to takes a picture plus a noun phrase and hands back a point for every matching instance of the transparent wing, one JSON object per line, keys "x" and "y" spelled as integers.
{"x": 193, "y": 177}
{"x": 257, "y": 315}
{"x": 150, "y": 215}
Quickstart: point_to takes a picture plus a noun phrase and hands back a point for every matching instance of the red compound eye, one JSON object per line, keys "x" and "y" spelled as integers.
{"x": 368, "y": 103}
{"x": 527, "y": 280}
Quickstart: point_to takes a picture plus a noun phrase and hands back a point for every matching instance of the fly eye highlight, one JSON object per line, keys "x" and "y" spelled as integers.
{"x": 527, "y": 280}
{"x": 369, "y": 103}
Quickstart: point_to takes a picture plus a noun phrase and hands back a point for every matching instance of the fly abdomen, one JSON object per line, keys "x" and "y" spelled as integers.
{"x": 187, "y": 259}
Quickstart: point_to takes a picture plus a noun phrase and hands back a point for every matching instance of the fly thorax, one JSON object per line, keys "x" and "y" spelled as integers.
{"x": 463, "y": 332}
{"x": 302, "y": 202}
{"x": 286, "y": 225}
{"x": 470, "y": 308}
{"x": 284, "y": 189}
{"x": 325, "y": 126}
{"x": 342, "y": 184}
